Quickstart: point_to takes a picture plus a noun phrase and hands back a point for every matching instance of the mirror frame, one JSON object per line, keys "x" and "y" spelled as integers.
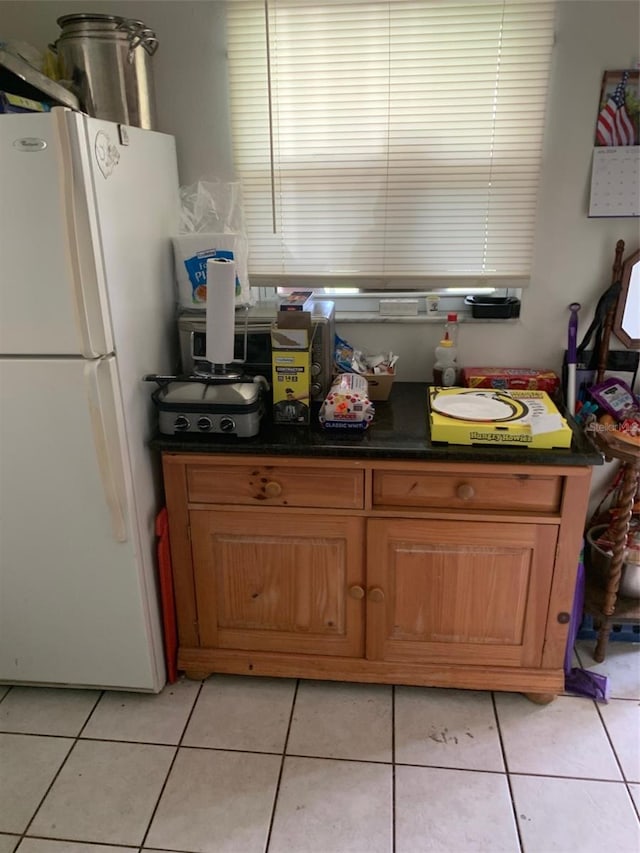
{"x": 619, "y": 332}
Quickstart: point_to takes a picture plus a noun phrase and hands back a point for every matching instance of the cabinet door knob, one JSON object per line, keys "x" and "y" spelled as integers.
{"x": 376, "y": 594}
{"x": 356, "y": 592}
{"x": 273, "y": 489}
{"x": 465, "y": 491}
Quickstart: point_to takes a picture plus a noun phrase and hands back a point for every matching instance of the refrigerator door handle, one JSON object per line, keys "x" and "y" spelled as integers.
{"x": 79, "y": 246}
{"x": 99, "y": 380}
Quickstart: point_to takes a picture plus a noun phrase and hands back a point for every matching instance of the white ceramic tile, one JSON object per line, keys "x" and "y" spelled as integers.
{"x": 242, "y": 712}
{"x": 46, "y": 710}
{"x": 621, "y": 666}
{"x": 106, "y": 792}
{"x": 28, "y": 765}
{"x": 143, "y": 717}
{"x": 336, "y": 720}
{"x": 564, "y": 738}
{"x": 325, "y": 805}
{"x": 443, "y": 810}
{"x": 574, "y": 814}
{"x": 8, "y": 843}
{"x": 42, "y": 845}
{"x": 446, "y": 728}
{"x": 216, "y": 802}
{"x": 622, "y": 721}
{"x": 634, "y": 790}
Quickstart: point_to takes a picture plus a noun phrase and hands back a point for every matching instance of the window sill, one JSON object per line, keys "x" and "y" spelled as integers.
{"x": 419, "y": 319}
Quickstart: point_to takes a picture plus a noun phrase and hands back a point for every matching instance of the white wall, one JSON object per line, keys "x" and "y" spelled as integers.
{"x": 573, "y": 254}
{"x": 189, "y": 67}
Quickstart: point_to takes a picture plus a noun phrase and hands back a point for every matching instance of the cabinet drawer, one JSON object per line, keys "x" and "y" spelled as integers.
{"x": 267, "y": 485}
{"x": 517, "y": 492}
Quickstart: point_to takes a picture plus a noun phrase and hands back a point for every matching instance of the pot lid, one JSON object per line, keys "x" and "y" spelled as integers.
{"x": 88, "y": 16}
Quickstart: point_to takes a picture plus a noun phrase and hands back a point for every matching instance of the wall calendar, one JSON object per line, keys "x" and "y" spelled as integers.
{"x": 615, "y": 181}
{"x": 615, "y": 173}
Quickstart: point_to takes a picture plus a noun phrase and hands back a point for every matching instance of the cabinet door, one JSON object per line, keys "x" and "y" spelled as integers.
{"x": 452, "y": 592}
{"x": 280, "y": 583}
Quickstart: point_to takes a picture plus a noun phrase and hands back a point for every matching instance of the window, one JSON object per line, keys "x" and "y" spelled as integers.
{"x": 389, "y": 145}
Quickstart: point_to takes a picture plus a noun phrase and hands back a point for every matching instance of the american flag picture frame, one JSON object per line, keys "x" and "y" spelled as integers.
{"x": 618, "y": 121}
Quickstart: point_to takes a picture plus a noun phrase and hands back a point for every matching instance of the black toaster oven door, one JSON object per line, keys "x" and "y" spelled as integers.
{"x": 256, "y": 360}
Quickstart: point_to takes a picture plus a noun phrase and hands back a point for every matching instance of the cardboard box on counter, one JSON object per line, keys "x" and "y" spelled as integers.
{"x": 291, "y": 368}
{"x": 533, "y": 419}
{"x": 380, "y": 385}
{"x": 511, "y": 378}
{"x": 299, "y": 300}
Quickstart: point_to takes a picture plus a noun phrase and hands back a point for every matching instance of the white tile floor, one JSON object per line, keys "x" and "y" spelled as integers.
{"x": 237, "y": 765}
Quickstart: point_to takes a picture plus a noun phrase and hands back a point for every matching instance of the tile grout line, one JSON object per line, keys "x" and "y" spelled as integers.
{"x": 23, "y": 834}
{"x": 116, "y": 844}
{"x": 634, "y": 805}
{"x": 171, "y": 765}
{"x": 284, "y": 755}
{"x": 393, "y": 768}
{"x": 547, "y": 775}
{"x": 507, "y": 773}
{"x": 613, "y": 748}
{"x": 180, "y": 747}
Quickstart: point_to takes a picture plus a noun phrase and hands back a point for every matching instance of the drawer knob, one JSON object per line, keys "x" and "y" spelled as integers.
{"x": 356, "y": 592}
{"x": 465, "y": 492}
{"x": 376, "y": 594}
{"x": 273, "y": 489}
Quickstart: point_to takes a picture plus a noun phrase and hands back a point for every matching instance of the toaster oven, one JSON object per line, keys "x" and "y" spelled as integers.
{"x": 256, "y": 322}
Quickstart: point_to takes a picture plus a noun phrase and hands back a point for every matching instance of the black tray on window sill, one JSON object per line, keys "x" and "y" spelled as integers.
{"x": 493, "y": 307}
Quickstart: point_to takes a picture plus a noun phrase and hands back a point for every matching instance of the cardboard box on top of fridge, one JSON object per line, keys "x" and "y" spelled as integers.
{"x": 191, "y": 253}
{"x": 291, "y": 367}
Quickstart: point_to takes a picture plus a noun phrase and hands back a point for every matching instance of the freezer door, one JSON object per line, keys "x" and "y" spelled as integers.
{"x": 42, "y": 308}
{"x": 134, "y": 180}
{"x": 78, "y": 597}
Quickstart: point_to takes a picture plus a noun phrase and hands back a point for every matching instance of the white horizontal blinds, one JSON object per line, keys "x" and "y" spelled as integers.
{"x": 402, "y": 141}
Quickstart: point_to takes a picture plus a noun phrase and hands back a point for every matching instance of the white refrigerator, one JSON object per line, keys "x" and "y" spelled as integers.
{"x": 87, "y": 308}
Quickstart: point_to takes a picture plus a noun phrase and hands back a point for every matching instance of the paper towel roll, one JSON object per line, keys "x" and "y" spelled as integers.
{"x": 221, "y": 316}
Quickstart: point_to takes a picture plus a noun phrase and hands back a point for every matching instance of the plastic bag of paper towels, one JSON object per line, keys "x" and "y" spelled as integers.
{"x": 211, "y": 226}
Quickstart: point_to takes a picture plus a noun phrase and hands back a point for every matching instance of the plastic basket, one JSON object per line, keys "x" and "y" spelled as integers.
{"x": 625, "y": 633}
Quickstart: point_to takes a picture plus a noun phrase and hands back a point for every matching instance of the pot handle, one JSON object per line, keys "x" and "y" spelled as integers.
{"x": 138, "y": 34}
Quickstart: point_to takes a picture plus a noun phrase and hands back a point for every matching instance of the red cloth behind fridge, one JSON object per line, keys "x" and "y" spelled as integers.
{"x": 167, "y": 598}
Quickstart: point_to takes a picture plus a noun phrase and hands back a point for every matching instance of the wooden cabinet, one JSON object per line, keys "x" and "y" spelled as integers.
{"x": 457, "y": 592}
{"x": 266, "y": 583}
{"x": 444, "y": 574}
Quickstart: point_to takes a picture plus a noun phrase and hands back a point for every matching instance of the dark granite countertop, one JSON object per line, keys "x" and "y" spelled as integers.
{"x": 398, "y": 431}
